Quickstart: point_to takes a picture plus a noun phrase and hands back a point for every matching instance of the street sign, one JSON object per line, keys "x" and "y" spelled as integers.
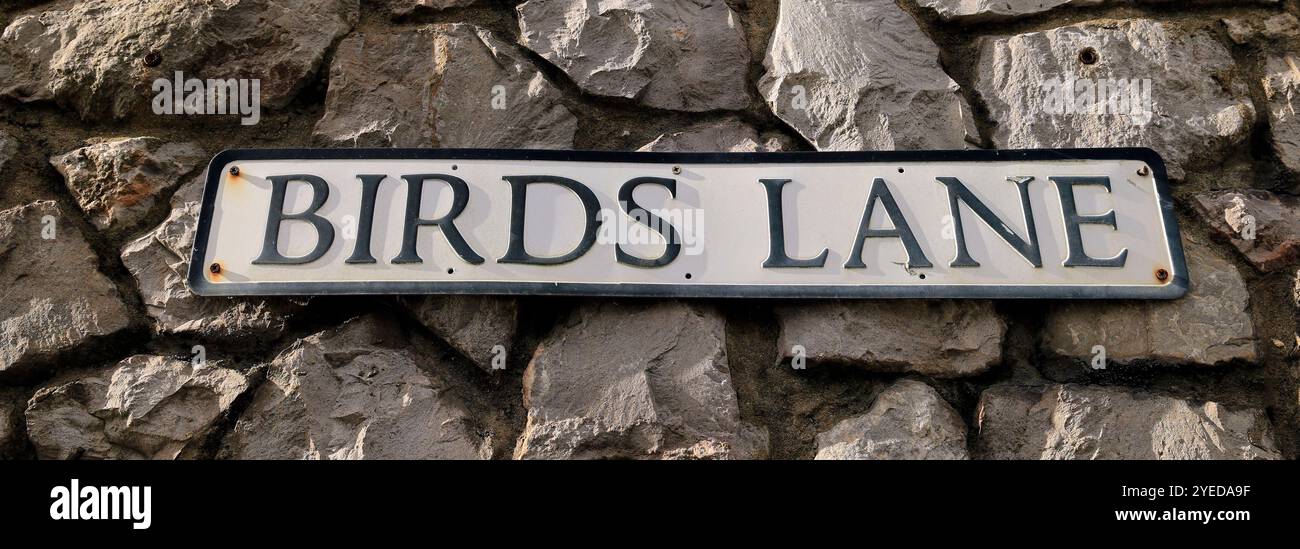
{"x": 1082, "y": 223}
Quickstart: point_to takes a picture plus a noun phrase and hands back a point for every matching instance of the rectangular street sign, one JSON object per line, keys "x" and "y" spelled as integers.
{"x": 1079, "y": 223}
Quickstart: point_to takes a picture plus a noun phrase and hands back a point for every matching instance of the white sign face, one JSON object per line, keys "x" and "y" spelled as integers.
{"x": 1095, "y": 223}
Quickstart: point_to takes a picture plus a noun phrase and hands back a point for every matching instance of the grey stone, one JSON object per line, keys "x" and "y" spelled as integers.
{"x": 360, "y": 391}
{"x": 687, "y": 55}
{"x": 440, "y": 85}
{"x": 406, "y": 7}
{"x": 649, "y": 380}
{"x": 727, "y": 135}
{"x": 1210, "y": 325}
{"x": 1282, "y": 90}
{"x": 160, "y": 260}
{"x": 11, "y": 422}
{"x": 908, "y": 420}
{"x": 1243, "y": 30}
{"x": 8, "y": 148}
{"x": 983, "y": 10}
{"x": 1272, "y": 220}
{"x": 1195, "y": 114}
{"x": 472, "y": 325}
{"x": 1091, "y": 422}
{"x": 146, "y": 407}
{"x": 940, "y": 338}
{"x": 117, "y": 182}
{"x": 55, "y": 299}
{"x": 861, "y": 75}
{"x": 89, "y": 56}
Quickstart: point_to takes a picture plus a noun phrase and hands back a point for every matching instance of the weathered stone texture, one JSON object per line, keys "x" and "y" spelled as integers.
{"x": 360, "y": 391}
{"x": 941, "y": 338}
{"x": 54, "y": 298}
{"x": 1282, "y": 89}
{"x": 644, "y": 381}
{"x": 1197, "y": 113}
{"x": 453, "y": 85}
{"x": 1264, "y": 226}
{"x": 728, "y": 135}
{"x": 1210, "y": 325}
{"x": 908, "y": 420}
{"x": 668, "y": 54}
{"x": 1090, "y": 422}
{"x": 160, "y": 260}
{"x": 89, "y": 56}
{"x": 472, "y": 325}
{"x": 117, "y": 182}
{"x": 973, "y": 10}
{"x": 146, "y": 407}
{"x": 845, "y": 88}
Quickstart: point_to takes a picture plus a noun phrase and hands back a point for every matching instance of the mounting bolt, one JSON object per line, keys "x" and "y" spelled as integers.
{"x": 677, "y": 170}
{"x": 1144, "y": 171}
{"x": 234, "y": 170}
{"x": 214, "y": 268}
{"x": 1162, "y": 275}
{"x": 152, "y": 59}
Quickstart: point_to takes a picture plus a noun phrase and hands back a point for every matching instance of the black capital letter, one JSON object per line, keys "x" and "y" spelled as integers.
{"x": 516, "y": 253}
{"x": 776, "y": 256}
{"x": 1079, "y": 258}
{"x": 447, "y": 223}
{"x": 674, "y": 239}
{"x": 369, "y": 187}
{"x": 880, "y": 191}
{"x": 957, "y": 191}
{"x": 275, "y": 216}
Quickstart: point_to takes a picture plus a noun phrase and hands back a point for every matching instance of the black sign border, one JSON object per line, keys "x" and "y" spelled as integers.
{"x": 1177, "y": 286}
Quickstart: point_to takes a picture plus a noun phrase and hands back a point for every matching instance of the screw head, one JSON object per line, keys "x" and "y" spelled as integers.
{"x": 152, "y": 59}
{"x": 234, "y": 170}
{"x": 214, "y": 268}
{"x": 1162, "y": 275}
{"x": 1144, "y": 171}
{"x": 677, "y": 170}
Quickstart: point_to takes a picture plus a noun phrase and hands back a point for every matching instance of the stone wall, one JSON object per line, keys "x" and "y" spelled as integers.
{"x": 104, "y": 353}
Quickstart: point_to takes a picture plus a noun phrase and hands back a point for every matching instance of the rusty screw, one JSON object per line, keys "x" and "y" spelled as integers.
{"x": 1162, "y": 275}
{"x": 234, "y": 170}
{"x": 152, "y": 59}
{"x": 214, "y": 268}
{"x": 1144, "y": 171}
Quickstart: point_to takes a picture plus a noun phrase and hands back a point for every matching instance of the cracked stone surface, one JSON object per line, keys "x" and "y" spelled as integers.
{"x": 845, "y": 89}
{"x": 983, "y": 10}
{"x": 363, "y": 390}
{"x": 1210, "y": 325}
{"x": 1282, "y": 90}
{"x": 941, "y": 338}
{"x": 446, "y": 85}
{"x": 117, "y": 182}
{"x": 145, "y": 407}
{"x": 89, "y": 56}
{"x": 472, "y": 325}
{"x": 160, "y": 260}
{"x": 1093, "y": 422}
{"x": 666, "y": 54}
{"x": 1196, "y": 115}
{"x": 72, "y": 305}
{"x": 1263, "y": 226}
{"x": 727, "y": 135}
{"x": 650, "y": 380}
{"x": 908, "y": 420}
